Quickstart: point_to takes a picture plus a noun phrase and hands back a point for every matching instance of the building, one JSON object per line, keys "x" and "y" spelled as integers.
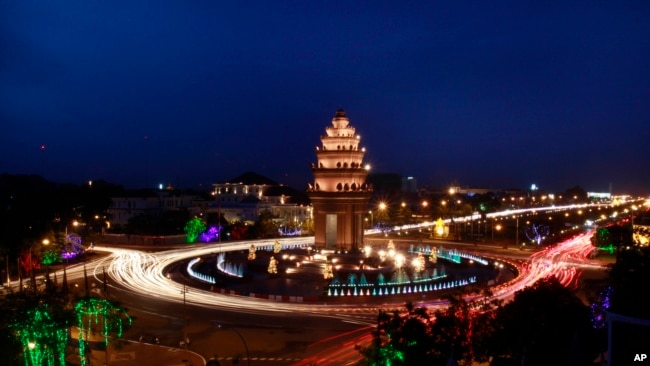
{"x": 409, "y": 184}
{"x": 243, "y": 198}
{"x": 152, "y": 202}
{"x": 339, "y": 193}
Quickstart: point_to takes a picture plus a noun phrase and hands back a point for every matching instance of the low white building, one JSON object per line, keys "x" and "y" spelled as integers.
{"x": 245, "y": 197}
{"x": 152, "y": 202}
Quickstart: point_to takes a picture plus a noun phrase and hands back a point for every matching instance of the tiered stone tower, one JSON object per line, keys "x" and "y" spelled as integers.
{"x": 339, "y": 194}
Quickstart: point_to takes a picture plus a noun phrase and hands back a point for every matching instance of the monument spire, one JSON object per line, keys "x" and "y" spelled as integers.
{"x": 339, "y": 193}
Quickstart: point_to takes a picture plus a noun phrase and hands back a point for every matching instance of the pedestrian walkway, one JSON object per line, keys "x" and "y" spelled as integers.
{"x": 141, "y": 354}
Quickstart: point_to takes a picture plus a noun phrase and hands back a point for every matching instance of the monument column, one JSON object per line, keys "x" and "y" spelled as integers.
{"x": 339, "y": 193}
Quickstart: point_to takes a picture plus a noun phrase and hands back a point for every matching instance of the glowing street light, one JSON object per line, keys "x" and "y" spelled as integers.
{"x": 75, "y": 223}
{"x": 497, "y": 227}
{"x": 31, "y": 262}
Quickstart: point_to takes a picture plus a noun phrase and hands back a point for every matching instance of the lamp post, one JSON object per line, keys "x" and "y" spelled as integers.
{"x": 516, "y": 233}
{"x": 75, "y": 223}
{"x": 382, "y": 216}
{"x": 31, "y": 263}
{"x": 222, "y": 325}
{"x": 423, "y": 212}
{"x": 185, "y": 318}
{"x": 497, "y": 227}
{"x": 8, "y": 277}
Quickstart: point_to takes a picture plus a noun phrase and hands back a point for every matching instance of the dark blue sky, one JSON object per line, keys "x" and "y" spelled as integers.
{"x": 488, "y": 94}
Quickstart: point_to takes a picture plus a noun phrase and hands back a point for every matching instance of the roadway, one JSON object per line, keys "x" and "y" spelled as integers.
{"x": 273, "y": 333}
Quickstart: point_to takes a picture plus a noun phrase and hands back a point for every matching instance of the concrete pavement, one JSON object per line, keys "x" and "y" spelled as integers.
{"x": 141, "y": 354}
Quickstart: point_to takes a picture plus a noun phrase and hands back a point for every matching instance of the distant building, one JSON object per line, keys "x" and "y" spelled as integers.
{"x": 409, "y": 184}
{"x": 152, "y": 202}
{"x": 243, "y": 198}
{"x": 240, "y": 200}
{"x": 599, "y": 196}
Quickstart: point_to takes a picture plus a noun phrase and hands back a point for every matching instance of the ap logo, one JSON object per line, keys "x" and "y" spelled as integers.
{"x": 640, "y": 357}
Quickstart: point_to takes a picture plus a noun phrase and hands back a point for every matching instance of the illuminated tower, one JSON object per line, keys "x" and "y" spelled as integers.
{"x": 339, "y": 194}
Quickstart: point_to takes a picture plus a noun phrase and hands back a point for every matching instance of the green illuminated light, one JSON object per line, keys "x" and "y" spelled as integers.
{"x": 93, "y": 312}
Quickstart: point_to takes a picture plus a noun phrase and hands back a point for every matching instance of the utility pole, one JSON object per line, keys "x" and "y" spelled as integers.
{"x": 517, "y": 233}
{"x": 8, "y": 277}
{"x": 185, "y": 319}
{"x": 105, "y": 283}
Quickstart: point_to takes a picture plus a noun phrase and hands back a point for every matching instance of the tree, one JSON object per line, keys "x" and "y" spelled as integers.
{"x": 629, "y": 274}
{"x": 544, "y": 324}
{"x": 401, "y": 338}
{"x": 613, "y": 237}
{"x": 99, "y": 316}
{"x": 34, "y": 328}
{"x": 265, "y": 227}
{"x": 417, "y": 337}
{"x": 194, "y": 228}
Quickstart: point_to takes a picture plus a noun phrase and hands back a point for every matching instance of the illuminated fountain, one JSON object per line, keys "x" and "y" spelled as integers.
{"x": 421, "y": 280}
{"x": 381, "y": 271}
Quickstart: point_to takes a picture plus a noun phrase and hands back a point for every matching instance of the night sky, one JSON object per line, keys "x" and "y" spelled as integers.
{"x": 487, "y": 94}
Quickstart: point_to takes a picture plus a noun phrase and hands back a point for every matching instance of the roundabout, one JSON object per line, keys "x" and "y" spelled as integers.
{"x": 166, "y": 275}
{"x": 379, "y": 273}
{"x": 160, "y": 275}
{"x": 327, "y": 328}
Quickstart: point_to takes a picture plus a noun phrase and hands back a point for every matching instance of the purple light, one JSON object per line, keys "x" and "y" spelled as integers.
{"x": 73, "y": 246}
{"x": 599, "y": 308}
{"x": 211, "y": 234}
{"x": 288, "y": 232}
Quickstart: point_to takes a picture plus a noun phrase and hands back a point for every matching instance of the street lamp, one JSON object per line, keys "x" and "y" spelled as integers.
{"x": 75, "y": 223}
{"x": 222, "y": 325}
{"x": 497, "y": 227}
{"x": 31, "y": 262}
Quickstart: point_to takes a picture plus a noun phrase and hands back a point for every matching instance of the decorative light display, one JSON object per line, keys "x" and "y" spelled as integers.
{"x": 641, "y": 236}
{"x": 27, "y": 263}
{"x": 50, "y": 256}
{"x": 273, "y": 265}
{"x": 439, "y": 227}
{"x": 99, "y": 312}
{"x": 536, "y": 233}
{"x": 277, "y": 247}
{"x": 327, "y": 273}
{"x": 251, "y": 253}
{"x": 286, "y": 231}
{"x": 211, "y": 234}
{"x": 73, "y": 247}
{"x": 193, "y": 229}
{"x": 433, "y": 257}
{"x": 43, "y": 339}
{"x": 608, "y": 248}
{"x": 418, "y": 263}
{"x": 600, "y": 307}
